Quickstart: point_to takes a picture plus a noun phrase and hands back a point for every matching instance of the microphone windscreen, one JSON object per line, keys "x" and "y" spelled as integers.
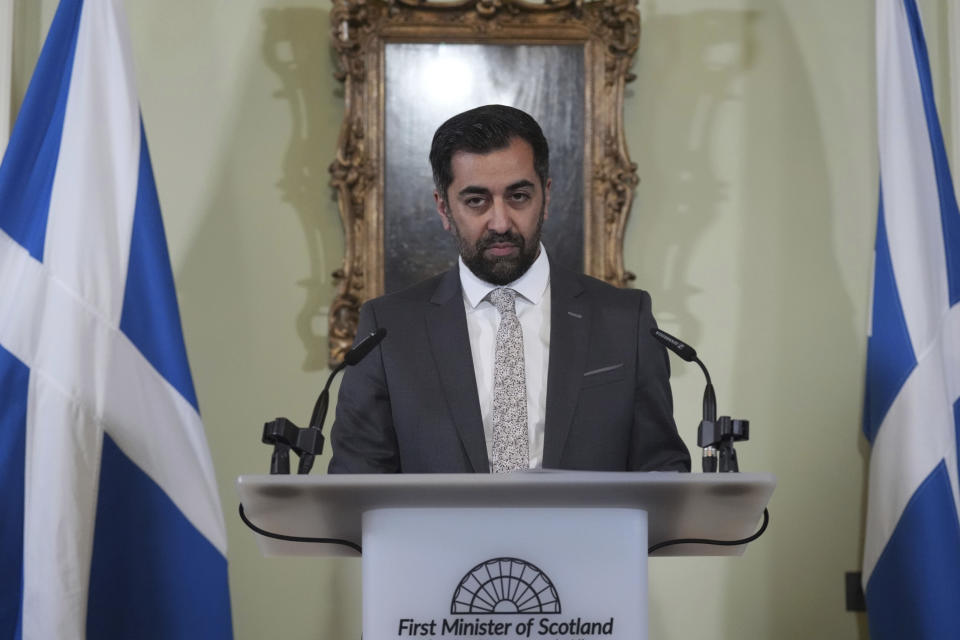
{"x": 679, "y": 347}
{"x": 365, "y": 346}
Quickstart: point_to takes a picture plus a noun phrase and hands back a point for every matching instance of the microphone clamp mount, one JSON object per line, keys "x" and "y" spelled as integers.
{"x": 284, "y": 436}
{"x": 716, "y": 437}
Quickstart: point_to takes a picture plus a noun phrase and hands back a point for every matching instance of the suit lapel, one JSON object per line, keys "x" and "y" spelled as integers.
{"x": 569, "y": 335}
{"x": 450, "y": 343}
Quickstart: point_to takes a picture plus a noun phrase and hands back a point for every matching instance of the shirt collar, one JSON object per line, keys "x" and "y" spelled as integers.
{"x": 531, "y": 285}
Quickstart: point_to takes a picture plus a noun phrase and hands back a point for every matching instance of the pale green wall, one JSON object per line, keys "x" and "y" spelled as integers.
{"x": 753, "y": 126}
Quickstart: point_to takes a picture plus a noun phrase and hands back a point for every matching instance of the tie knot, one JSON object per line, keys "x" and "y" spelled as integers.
{"x": 504, "y": 300}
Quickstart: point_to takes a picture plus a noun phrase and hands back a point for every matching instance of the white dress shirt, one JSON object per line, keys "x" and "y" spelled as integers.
{"x": 533, "y": 311}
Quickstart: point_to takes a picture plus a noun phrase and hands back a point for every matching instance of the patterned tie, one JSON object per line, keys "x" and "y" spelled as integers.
{"x": 510, "y": 439}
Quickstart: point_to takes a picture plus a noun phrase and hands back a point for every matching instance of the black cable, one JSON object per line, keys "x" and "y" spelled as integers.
{"x": 280, "y": 536}
{"x": 656, "y": 547}
{"x": 722, "y": 543}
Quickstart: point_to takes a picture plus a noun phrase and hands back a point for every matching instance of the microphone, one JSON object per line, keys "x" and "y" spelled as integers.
{"x": 310, "y": 440}
{"x": 362, "y": 348}
{"x": 712, "y": 433}
{"x": 679, "y": 347}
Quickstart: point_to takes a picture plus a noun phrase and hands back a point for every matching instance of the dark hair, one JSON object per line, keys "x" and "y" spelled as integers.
{"x": 483, "y": 130}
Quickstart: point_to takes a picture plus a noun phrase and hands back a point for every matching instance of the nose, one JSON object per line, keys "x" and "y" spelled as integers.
{"x": 499, "y": 221}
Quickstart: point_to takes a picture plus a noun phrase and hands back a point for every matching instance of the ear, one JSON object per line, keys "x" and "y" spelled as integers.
{"x": 546, "y": 199}
{"x": 442, "y": 210}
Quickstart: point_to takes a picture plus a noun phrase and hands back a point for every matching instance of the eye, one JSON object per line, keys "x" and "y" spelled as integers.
{"x": 475, "y": 202}
{"x": 519, "y": 197}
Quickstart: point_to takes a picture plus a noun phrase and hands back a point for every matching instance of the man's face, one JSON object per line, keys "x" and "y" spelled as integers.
{"x": 495, "y": 208}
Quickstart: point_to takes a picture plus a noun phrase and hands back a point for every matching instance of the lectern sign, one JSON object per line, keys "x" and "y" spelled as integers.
{"x": 507, "y": 591}
{"x": 568, "y": 574}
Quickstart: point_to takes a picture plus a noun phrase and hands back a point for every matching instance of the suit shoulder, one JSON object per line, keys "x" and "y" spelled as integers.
{"x": 417, "y": 293}
{"x": 610, "y": 294}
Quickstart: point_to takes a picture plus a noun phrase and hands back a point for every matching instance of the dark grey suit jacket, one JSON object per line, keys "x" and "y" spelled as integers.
{"x": 411, "y": 405}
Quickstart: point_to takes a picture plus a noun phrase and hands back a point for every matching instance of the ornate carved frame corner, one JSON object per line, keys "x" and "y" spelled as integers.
{"x": 609, "y": 30}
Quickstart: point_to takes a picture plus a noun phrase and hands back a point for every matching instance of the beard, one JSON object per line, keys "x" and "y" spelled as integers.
{"x": 500, "y": 270}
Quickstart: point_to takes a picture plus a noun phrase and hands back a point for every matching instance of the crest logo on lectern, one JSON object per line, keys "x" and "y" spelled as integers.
{"x": 505, "y": 585}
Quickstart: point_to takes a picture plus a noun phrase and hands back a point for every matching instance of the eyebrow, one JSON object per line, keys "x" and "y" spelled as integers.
{"x": 475, "y": 190}
{"x": 520, "y": 184}
{"x": 472, "y": 190}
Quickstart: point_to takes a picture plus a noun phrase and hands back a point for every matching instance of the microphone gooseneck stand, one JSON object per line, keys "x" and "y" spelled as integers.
{"x": 714, "y": 435}
{"x": 308, "y": 443}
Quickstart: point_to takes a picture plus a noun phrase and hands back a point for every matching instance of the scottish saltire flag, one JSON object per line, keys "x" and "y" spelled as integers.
{"x": 110, "y": 523}
{"x": 911, "y": 563}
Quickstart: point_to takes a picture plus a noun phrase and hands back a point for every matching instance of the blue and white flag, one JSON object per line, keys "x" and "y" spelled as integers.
{"x": 110, "y": 522}
{"x": 911, "y": 561}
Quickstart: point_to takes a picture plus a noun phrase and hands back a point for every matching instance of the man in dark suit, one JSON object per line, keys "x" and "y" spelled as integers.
{"x": 507, "y": 361}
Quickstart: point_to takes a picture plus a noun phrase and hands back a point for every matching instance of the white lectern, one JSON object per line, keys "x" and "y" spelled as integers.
{"x": 552, "y": 554}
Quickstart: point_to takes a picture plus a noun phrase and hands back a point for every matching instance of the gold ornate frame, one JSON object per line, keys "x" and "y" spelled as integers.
{"x": 609, "y": 31}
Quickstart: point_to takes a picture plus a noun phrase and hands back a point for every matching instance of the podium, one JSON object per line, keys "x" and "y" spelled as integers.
{"x": 558, "y": 555}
